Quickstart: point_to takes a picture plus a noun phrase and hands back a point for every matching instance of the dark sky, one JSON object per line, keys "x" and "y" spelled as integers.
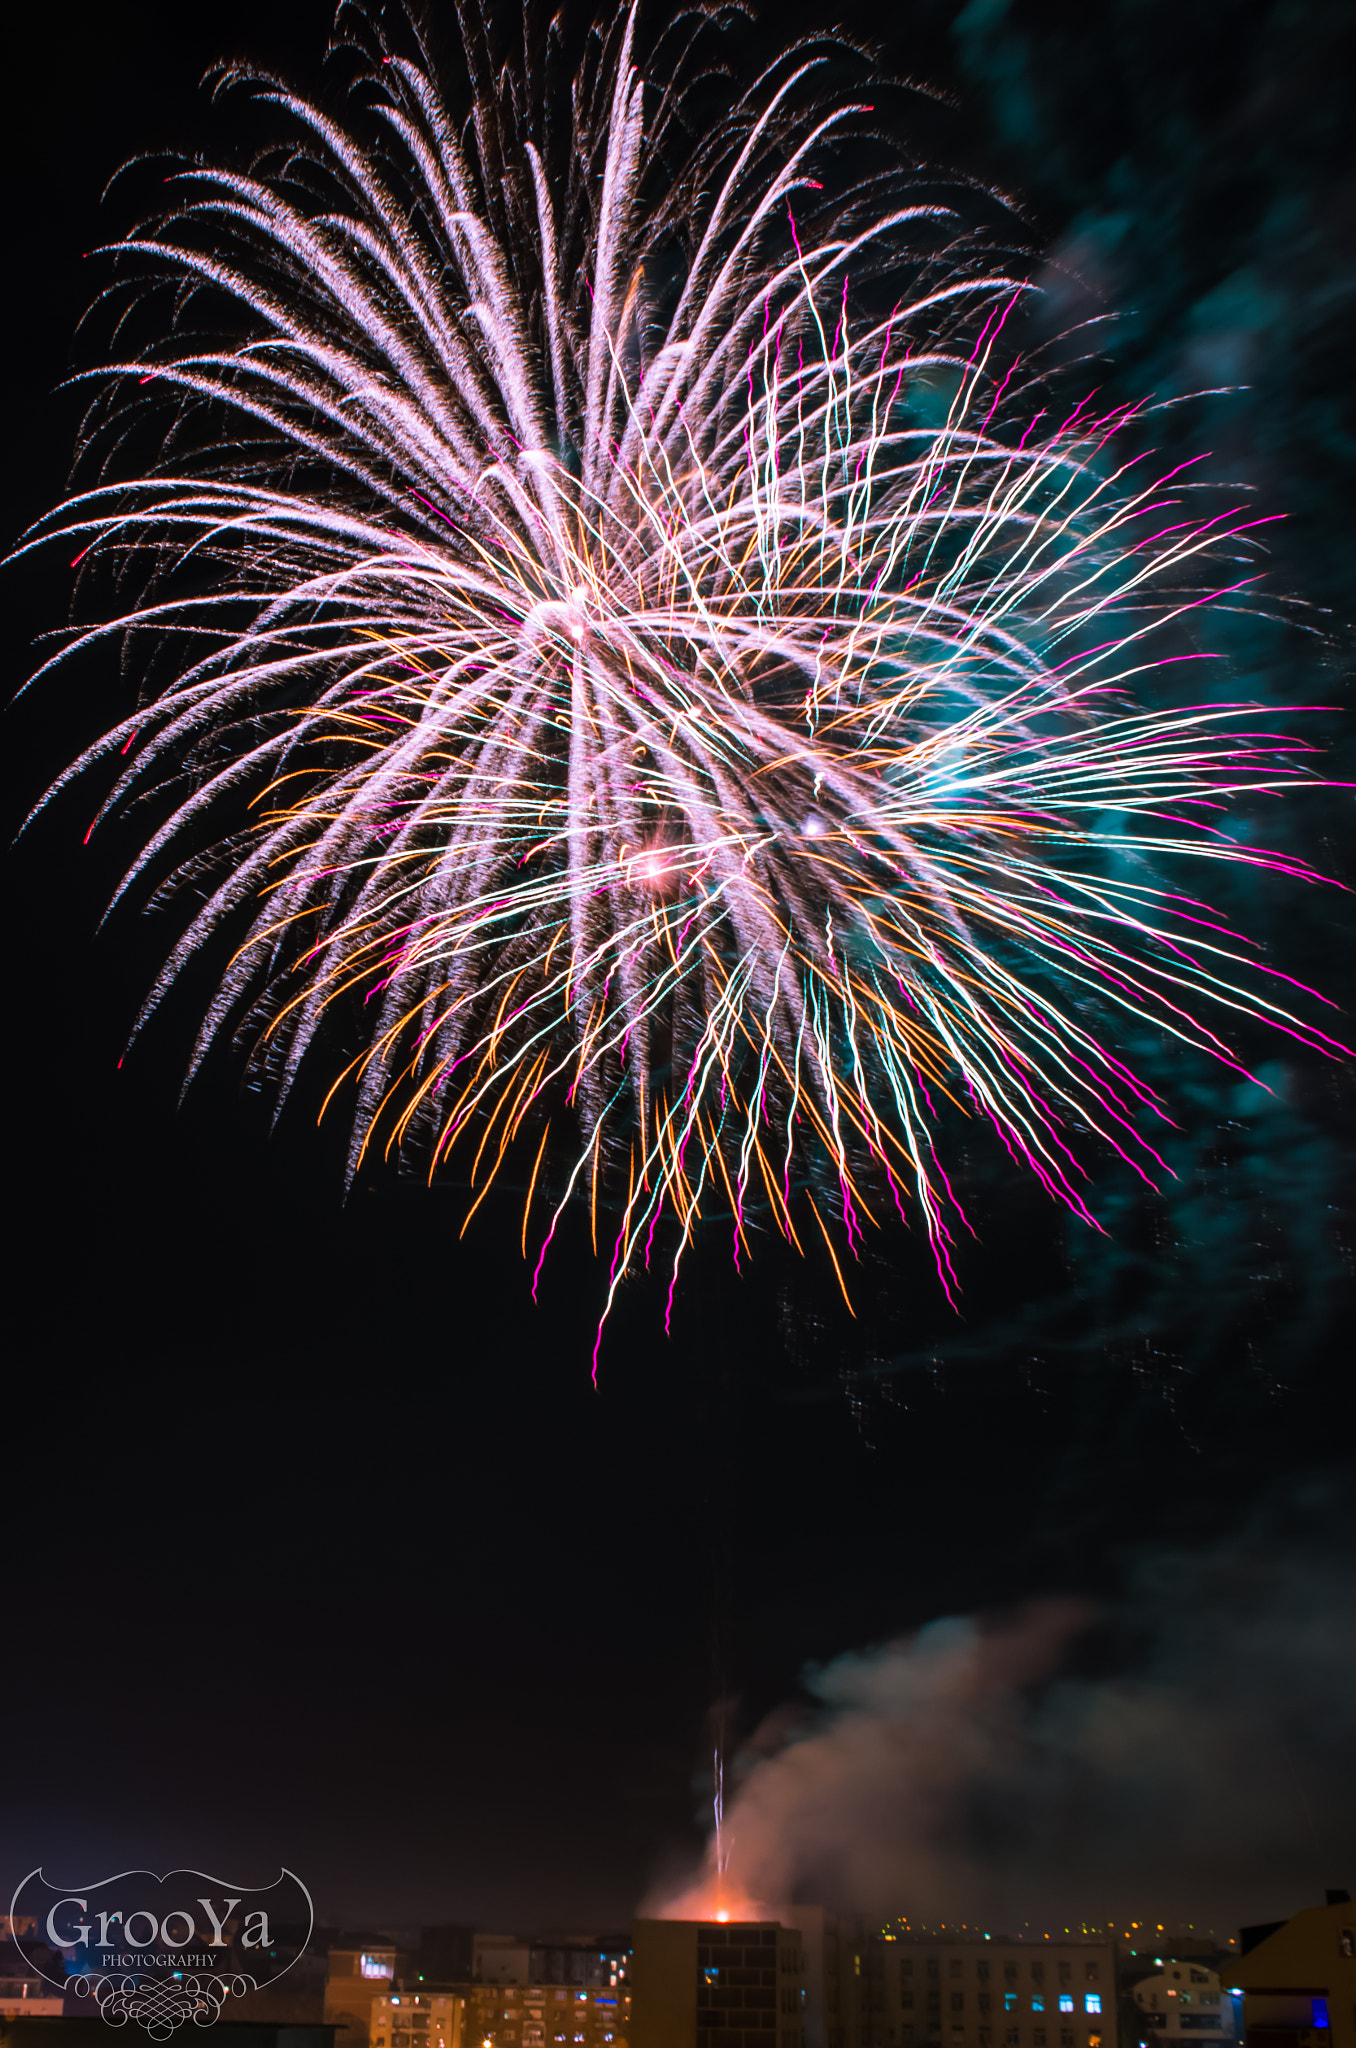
{"x": 323, "y": 1550}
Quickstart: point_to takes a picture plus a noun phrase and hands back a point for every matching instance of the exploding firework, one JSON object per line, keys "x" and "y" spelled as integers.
{"x": 634, "y": 644}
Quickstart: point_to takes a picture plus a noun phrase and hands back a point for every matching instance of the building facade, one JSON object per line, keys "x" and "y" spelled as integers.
{"x": 354, "y": 1980}
{"x": 508, "y": 1959}
{"x": 1298, "y": 1979}
{"x": 29, "y": 1997}
{"x": 708, "y": 1984}
{"x": 1184, "y": 2001}
{"x": 503, "y": 2015}
{"x": 978, "y": 1994}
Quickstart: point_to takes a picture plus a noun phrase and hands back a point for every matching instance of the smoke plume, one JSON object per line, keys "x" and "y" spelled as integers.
{"x": 1183, "y": 1751}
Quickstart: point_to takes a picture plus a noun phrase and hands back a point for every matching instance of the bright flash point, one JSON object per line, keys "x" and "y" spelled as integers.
{"x": 722, "y": 1915}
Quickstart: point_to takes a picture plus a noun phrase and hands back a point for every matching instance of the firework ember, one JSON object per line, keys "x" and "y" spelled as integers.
{"x": 641, "y": 650}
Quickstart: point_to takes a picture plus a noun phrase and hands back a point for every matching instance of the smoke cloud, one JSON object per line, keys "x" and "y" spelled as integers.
{"x": 1183, "y": 1752}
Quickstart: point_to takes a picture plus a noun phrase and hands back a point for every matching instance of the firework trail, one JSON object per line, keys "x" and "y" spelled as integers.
{"x": 633, "y": 641}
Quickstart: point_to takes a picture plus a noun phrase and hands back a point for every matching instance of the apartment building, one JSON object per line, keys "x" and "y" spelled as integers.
{"x": 1183, "y": 1999}
{"x": 905, "y": 1992}
{"x": 503, "y": 2016}
{"x": 712, "y": 1984}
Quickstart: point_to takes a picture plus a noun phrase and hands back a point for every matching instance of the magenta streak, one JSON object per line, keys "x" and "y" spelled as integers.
{"x": 542, "y": 1260}
{"x": 951, "y": 1195}
{"x": 1011, "y": 367}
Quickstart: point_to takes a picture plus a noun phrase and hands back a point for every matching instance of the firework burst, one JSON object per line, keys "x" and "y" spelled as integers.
{"x": 633, "y": 633}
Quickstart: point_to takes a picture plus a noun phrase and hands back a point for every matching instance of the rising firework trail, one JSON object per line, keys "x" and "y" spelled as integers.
{"x": 636, "y": 648}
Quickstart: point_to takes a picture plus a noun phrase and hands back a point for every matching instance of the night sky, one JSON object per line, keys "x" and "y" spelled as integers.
{"x": 322, "y": 1548}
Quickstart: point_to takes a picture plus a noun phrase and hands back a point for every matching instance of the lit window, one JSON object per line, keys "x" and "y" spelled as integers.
{"x": 375, "y": 1966}
{"x": 1066, "y": 2003}
{"x": 1038, "y": 2005}
{"x": 1092, "y": 2001}
{"x": 712, "y": 1974}
{"x": 1320, "y": 2006}
{"x": 1009, "y": 2001}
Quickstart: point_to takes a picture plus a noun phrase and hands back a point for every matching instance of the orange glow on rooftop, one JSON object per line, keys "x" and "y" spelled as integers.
{"x": 715, "y": 1896}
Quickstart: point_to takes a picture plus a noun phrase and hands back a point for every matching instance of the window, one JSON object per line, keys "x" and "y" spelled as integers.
{"x": 958, "y": 2001}
{"x": 906, "y": 2000}
{"x": 1066, "y": 2001}
{"x": 712, "y": 1975}
{"x": 1065, "y": 1972}
{"x": 906, "y": 1966}
{"x": 1091, "y": 1973}
{"x": 1038, "y": 2005}
{"x": 1199, "y": 1977}
{"x": 984, "y": 2001}
{"x": 1009, "y": 1973}
{"x": 1013, "y": 2036}
{"x": 1038, "y": 1973}
{"x": 956, "y": 1966}
{"x": 1009, "y": 2001}
{"x": 1039, "y": 2037}
{"x": 982, "y": 1969}
{"x": 1066, "y": 2037}
{"x": 1320, "y": 2009}
{"x": 1092, "y": 2002}
{"x": 1346, "y": 1941}
{"x": 934, "y": 1967}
